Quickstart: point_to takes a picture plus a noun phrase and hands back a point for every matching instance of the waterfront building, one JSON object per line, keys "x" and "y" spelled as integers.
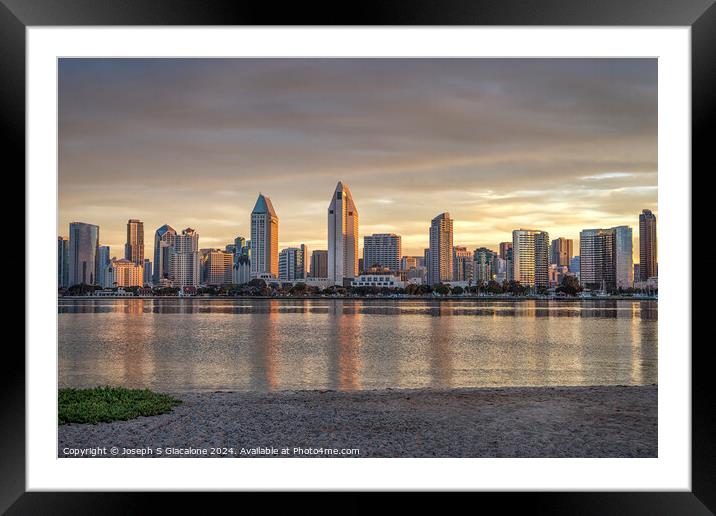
{"x": 484, "y": 265}
{"x": 561, "y": 251}
{"x": 184, "y": 268}
{"x": 264, "y": 238}
{"x": 83, "y": 246}
{"x": 134, "y": 247}
{"x": 574, "y": 265}
{"x": 164, "y": 239}
{"x": 506, "y": 254}
{"x": 123, "y": 273}
{"x": 500, "y": 270}
{"x": 597, "y": 264}
{"x": 292, "y": 263}
{"x": 319, "y": 264}
{"x": 147, "y": 272}
{"x": 342, "y": 236}
{"x": 506, "y": 250}
{"x": 383, "y": 250}
{"x": 624, "y": 267}
{"x": 218, "y": 267}
{"x": 462, "y": 264}
{"x": 556, "y": 273}
{"x": 378, "y": 279}
{"x": 530, "y": 257}
{"x": 440, "y": 250}
{"x": 104, "y": 258}
{"x": 242, "y": 270}
{"x": 411, "y": 262}
{"x": 647, "y": 245}
{"x": 63, "y": 262}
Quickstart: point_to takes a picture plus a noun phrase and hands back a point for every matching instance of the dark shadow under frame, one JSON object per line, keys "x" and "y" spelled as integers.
{"x": 700, "y": 15}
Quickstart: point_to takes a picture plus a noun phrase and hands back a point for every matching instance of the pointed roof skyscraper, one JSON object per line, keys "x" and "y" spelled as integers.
{"x": 342, "y": 236}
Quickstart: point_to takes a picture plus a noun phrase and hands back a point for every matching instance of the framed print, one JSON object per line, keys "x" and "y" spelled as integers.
{"x": 416, "y": 250}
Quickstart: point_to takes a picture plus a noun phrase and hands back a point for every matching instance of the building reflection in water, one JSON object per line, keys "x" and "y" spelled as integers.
{"x": 345, "y": 342}
{"x": 441, "y": 342}
{"x": 270, "y": 344}
{"x": 265, "y": 349}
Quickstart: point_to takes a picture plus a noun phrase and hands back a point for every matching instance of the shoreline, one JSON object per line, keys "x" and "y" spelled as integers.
{"x": 596, "y": 421}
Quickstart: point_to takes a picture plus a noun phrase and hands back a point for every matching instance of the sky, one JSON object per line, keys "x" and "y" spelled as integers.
{"x": 559, "y": 145}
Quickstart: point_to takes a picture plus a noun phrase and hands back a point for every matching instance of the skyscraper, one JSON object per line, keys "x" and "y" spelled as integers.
{"x": 506, "y": 250}
{"x": 319, "y": 264}
{"x": 597, "y": 264}
{"x": 462, "y": 264}
{"x": 84, "y": 241}
{"x": 219, "y": 265}
{"x": 485, "y": 267}
{"x": 647, "y": 245}
{"x": 104, "y": 260}
{"x": 63, "y": 262}
{"x": 561, "y": 252}
{"x": 382, "y": 250}
{"x": 342, "y": 236}
{"x": 506, "y": 254}
{"x": 530, "y": 257}
{"x": 292, "y": 263}
{"x": 624, "y": 267}
{"x": 184, "y": 260}
{"x": 440, "y": 250}
{"x": 164, "y": 239}
{"x": 134, "y": 248}
{"x": 147, "y": 272}
{"x": 264, "y": 238}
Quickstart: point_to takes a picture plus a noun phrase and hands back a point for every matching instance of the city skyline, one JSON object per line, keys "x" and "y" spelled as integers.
{"x": 558, "y": 145}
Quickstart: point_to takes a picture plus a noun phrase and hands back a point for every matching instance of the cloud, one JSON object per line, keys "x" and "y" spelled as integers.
{"x": 540, "y": 142}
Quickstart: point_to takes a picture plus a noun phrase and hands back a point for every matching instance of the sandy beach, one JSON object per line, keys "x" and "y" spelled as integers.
{"x": 613, "y": 421}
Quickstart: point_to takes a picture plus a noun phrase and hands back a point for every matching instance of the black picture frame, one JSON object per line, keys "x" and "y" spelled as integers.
{"x": 700, "y": 15}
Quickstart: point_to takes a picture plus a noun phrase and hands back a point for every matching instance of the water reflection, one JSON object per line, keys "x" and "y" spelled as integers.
{"x": 271, "y": 344}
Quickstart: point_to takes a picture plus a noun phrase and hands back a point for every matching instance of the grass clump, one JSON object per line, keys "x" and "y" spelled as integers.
{"x": 107, "y": 404}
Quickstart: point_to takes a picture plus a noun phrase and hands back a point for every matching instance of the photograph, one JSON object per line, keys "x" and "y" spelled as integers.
{"x": 352, "y": 257}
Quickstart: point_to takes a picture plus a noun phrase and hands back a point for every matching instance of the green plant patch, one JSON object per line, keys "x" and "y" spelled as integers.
{"x": 107, "y": 404}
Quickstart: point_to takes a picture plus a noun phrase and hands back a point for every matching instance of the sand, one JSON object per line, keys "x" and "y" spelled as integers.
{"x": 611, "y": 421}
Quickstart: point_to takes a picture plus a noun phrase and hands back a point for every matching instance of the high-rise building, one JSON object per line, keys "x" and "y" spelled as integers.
{"x": 530, "y": 257}
{"x": 440, "y": 254}
{"x": 382, "y": 250}
{"x": 462, "y": 264}
{"x": 647, "y": 245}
{"x": 134, "y": 248}
{"x": 123, "y": 273}
{"x": 147, "y": 272}
{"x": 63, "y": 262}
{"x": 264, "y": 238}
{"x": 292, "y": 263}
{"x": 319, "y": 264}
{"x": 506, "y": 250}
{"x": 84, "y": 242}
{"x": 342, "y": 236}
{"x": 242, "y": 270}
{"x": 104, "y": 257}
{"x": 218, "y": 266}
{"x": 184, "y": 260}
{"x": 574, "y": 265}
{"x": 561, "y": 252}
{"x": 164, "y": 239}
{"x": 624, "y": 266}
{"x": 485, "y": 265}
{"x": 597, "y": 253}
